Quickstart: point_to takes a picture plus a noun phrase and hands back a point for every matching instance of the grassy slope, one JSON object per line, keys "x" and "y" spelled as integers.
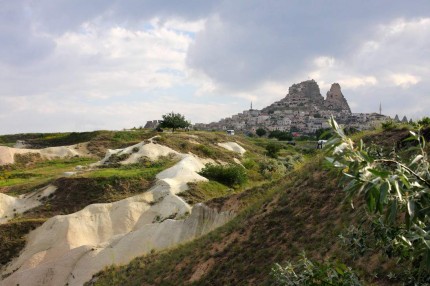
{"x": 41, "y": 140}
{"x": 23, "y": 177}
{"x": 302, "y": 212}
{"x": 105, "y": 184}
{"x": 73, "y": 194}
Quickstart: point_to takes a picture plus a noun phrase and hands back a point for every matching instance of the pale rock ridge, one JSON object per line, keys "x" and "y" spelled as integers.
{"x": 71, "y": 248}
{"x": 10, "y": 206}
{"x": 150, "y": 150}
{"x": 7, "y": 154}
{"x": 233, "y": 146}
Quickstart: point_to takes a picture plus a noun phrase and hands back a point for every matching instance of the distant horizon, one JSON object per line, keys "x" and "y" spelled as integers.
{"x": 216, "y": 120}
{"x": 109, "y": 65}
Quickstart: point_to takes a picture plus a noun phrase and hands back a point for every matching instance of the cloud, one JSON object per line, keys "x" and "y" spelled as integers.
{"x": 108, "y": 56}
{"x": 404, "y": 80}
{"x": 20, "y": 45}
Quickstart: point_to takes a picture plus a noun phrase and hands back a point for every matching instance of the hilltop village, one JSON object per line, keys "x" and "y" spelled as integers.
{"x": 302, "y": 111}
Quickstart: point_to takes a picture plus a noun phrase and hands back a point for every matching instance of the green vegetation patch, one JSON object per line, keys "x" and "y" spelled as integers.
{"x": 230, "y": 175}
{"x": 204, "y": 191}
{"x": 145, "y": 169}
{"x": 302, "y": 212}
{"x": 13, "y": 237}
{"x": 21, "y": 178}
{"x": 202, "y": 144}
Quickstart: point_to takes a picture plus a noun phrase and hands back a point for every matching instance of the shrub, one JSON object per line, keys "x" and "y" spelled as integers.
{"x": 291, "y": 160}
{"x": 389, "y": 125}
{"x": 115, "y": 159}
{"x": 27, "y": 158}
{"x": 273, "y": 149}
{"x": 424, "y": 122}
{"x": 306, "y": 272}
{"x": 229, "y": 175}
{"x": 281, "y": 135}
{"x": 272, "y": 169}
{"x": 260, "y": 132}
{"x": 249, "y": 163}
{"x": 205, "y": 150}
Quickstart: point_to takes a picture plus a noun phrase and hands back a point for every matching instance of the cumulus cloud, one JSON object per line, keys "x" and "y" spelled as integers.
{"x": 404, "y": 80}
{"x": 105, "y": 59}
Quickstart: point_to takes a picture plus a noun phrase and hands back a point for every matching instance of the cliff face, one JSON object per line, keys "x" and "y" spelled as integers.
{"x": 306, "y": 89}
{"x": 302, "y": 96}
{"x": 335, "y": 99}
{"x": 306, "y": 96}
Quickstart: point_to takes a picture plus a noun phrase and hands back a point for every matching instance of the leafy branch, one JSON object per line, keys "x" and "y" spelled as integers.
{"x": 396, "y": 190}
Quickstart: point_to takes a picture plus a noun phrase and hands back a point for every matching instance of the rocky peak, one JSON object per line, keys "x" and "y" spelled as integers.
{"x": 307, "y": 89}
{"x": 335, "y": 99}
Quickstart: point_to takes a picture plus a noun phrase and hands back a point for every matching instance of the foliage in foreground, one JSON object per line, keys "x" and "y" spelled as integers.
{"x": 396, "y": 191}
{"x": 306, "y": 273}
{"x": 229, "y": 175}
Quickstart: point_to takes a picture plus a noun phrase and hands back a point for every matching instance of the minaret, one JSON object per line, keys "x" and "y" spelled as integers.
{"x": 251, "y": 105}
{"x": 380, "y": 108}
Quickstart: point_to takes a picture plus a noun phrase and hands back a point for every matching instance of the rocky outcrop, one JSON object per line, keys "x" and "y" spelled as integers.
{"x": 12, "y": 206}
{"x": 7, "y": 154}
{"x": 301, "y": 96}
{"x": 69, "y": 249}
{"x": 335, "y": 99}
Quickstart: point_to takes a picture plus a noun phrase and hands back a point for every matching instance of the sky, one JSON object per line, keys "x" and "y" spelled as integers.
{"x": 81, "y": 65}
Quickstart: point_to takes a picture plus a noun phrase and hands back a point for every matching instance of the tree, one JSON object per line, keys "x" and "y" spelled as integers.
{"x": 260, "y": 132}
{"x": 424, "y": 122}
{"x": 396, "y": 190}
{"x": 281, "y": 135}
{"x": 174, "y": 121}
{"x": 323, "y": 133}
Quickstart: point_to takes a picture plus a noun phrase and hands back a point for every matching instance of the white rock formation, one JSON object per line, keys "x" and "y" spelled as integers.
{"x": 149, "y": 150}
{"x": 7, "y": 154}
{"x": 10, "y": 206}
{"x": 71, "y": 248}
{"x": 233, "y": 146}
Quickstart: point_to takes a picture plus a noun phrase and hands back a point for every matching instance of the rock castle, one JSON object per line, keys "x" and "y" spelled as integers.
{"x": 302, "y": 111}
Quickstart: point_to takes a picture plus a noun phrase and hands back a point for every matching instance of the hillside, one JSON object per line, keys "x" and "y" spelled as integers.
{"x": 86, "y": 212}
{"x": 303, "y": 212}
{"x": 160, "y": 233}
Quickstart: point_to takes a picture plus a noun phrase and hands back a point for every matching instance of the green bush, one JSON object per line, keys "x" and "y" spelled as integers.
{"x": 115, "y": 159}
{"x": 290, "y": 160}
{"x": 281, "y": 135}
{"x": 260, "y": 132}
{"x": 205, "y": 150}
{"x": 424, "y": 121}
{"x": 272, "y": 169}
{"x": 249, "y": 164}
{"x": 273, "y": 149}
{"x": 305, "y": 272}
{"x": 229, "y": 175}
{"x": 389, "y": 125}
